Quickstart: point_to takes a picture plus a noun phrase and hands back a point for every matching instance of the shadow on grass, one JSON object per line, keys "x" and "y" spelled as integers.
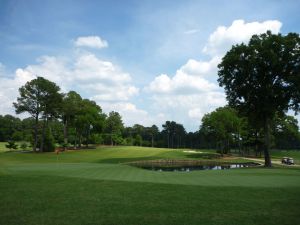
{"x": 19, "y": 151}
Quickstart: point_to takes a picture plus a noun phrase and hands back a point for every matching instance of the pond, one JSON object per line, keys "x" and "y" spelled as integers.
{"x": 187, "y": 166}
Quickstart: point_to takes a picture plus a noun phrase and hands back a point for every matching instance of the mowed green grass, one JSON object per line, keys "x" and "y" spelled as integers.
{"x": 2, "y": 147}
{"x": 277, "y": 154}
{"x": 96, "y": 187}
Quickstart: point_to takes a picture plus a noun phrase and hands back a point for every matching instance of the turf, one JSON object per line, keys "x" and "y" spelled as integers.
{"x": 277, "y": 154}
{"x": 96, "y": 187}
{"x": 2, "y": 147}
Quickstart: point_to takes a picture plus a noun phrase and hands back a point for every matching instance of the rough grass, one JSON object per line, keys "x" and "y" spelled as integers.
{"x": 277, "y": 154}
{"x": 95, "y": 187}
{"x": 2, "y": 147}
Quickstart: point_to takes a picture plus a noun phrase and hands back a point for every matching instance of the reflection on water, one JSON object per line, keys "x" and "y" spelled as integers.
{"x": 198, "y": 167}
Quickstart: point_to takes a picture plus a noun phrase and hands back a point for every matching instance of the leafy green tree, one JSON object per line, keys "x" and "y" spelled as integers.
{"x": 252, "y": 138}
{"x": 153, "y": 131}
{"x": 113, "y": 127}
{"x": 56, "y": 128}
{"x": 286, "y": 133}
{"x": 262, "y": 79}
{"x": 139, "y": 132}
{"x": 175, "y": 133}
{"x": 17, "y": 136}
{"x": 223, "y": 125}
{"x": 180, "y": 134}
{"x": 52, "y": 105}
{"x": 27, "y": 129}
{"x": 88, "y": 119}
{"x": 70, "y": 108}
{"x": 49, "y": 141}
{"x": 39, "y": 97}
{"x": 169, "y": 130}
{"x": 198, "y": 139}
{"x": 10, "y": 128}
{"x": 96, "y": 138}
{"x": 138, "y": 140}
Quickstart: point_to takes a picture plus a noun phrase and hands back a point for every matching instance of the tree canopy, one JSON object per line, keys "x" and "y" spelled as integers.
{"x": 262, "y": 79}
{"x": 224, "y": 126}
{"x": 39, "y": 97}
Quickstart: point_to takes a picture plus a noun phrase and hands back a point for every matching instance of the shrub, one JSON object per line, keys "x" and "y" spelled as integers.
{"x": 24, "y": 146}
{"x": 11, "y": 145}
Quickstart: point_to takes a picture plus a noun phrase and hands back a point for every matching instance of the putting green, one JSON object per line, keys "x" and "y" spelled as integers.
{"x": 96, "y": 187}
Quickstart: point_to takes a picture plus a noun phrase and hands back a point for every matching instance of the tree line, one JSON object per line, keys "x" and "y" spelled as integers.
{"x": 81, "y": 122}
{"x": 70, "y": 121}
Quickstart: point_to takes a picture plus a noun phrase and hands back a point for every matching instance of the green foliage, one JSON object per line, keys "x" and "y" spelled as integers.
{"x": 11, "y": 145}
{"x": 67, "y": 118}
{"x": 138, "y": 140}
{"x": 70, "y": 109}
{"x": 64, "y": 145}
{"x": 56, "y": 130}
{"x": 39, "y": 97}
{"x": 49, "y": 142}
{"x": 223, "y": 126}
{"x": 261, "y": 79}
{"x": 89, "y": 119}
{"x": 23, "y": 145}
{"x": 174, "y": 134}
{"x": 96, "y": 138}
{"x": 71, "y": 105}
{"x": 8, "y": 126}
{"x": 286, "y": 133}
{"x": 17, "y": 136}
{"x": 114, "y": 126}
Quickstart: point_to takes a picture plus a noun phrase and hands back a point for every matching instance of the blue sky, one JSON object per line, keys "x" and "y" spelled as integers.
{"x": 154, "y": 67}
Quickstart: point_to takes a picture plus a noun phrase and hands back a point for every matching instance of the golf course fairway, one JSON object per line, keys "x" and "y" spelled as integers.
{"x": 98, "y": 187}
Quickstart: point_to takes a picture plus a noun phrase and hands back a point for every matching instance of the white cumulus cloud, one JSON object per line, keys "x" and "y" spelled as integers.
{"x": 9, "y": 88}
{"x": 201, "y": 68}
{"x": 193, "y": 90}
{"x": 91, "y": 42}
{"x": 239, "y": 31}
{"x": 188, "y": 95}
{"x": 184, "y": 96}
{"x": 91, "y": 77}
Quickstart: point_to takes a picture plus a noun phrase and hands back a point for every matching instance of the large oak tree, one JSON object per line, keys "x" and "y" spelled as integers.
{"x": 262, "y": 79}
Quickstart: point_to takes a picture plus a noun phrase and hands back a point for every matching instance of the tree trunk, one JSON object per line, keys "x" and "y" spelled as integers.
{"x": 75, "y": 141}
{"x": 267, "y": 143}
{"x": 168, "y": 140}
{"x": 65, "y": 133}
{"x": 43, "y": 135}
{"x": 36, "y": 132}
{"x": 152, "y": 141}
{"x": 79, "y": 144}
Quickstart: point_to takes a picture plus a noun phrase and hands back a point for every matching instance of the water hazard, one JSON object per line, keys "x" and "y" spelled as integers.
{"x": 182, "y": 166}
